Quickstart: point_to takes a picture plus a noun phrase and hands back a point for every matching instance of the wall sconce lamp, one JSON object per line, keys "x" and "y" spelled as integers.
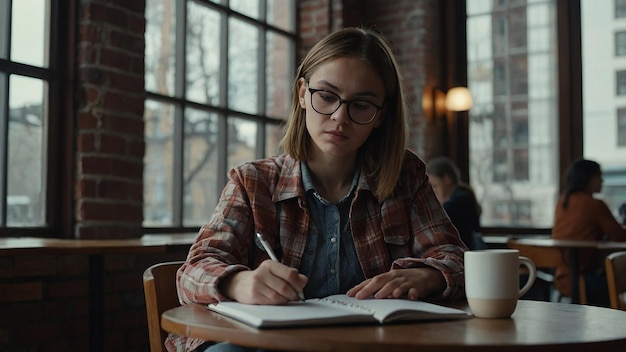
{"x": 459, "y": 99}
{"x": 435, "y": 102}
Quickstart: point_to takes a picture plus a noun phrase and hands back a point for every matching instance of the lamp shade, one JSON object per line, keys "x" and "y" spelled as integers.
{"x": 459, "y": 99}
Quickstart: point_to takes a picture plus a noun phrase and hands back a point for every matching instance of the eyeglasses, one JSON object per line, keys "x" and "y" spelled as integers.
{"x": 359, "y": 111}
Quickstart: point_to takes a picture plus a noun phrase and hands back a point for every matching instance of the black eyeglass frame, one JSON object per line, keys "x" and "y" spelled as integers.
{"x": 344, "y": 101}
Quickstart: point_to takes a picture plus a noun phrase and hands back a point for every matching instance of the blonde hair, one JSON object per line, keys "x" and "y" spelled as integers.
{"x": 385, "y": 148}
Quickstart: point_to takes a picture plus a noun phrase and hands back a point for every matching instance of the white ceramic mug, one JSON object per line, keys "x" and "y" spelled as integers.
{"x": 492, "y": 281}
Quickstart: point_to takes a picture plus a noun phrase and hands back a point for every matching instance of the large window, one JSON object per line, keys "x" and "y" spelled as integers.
{"x": 512, "y": 68}
{"x": 521, "y": 137}
{"x": 29, "y": 115}
{"x": 219, "y": 77}
{"x": 603, "y": 114}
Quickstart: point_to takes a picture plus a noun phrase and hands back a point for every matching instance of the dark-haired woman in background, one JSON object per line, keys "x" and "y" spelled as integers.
{"x": 580, "y": 216}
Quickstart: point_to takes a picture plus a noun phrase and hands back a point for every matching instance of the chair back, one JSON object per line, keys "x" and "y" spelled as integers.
{"x": 159, "y": 284}
{"x": 615, "y": 264}
{"x": 546, "y": 258}
{"x": 543, "y": 257}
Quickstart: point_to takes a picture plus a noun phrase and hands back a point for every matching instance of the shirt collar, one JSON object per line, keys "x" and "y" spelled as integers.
{"x": 307, "y": 180}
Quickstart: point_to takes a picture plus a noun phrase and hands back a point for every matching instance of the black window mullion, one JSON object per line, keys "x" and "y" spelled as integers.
{"x": 179, "y": 115}
{"x": 4, "y": 130}
{"x": 5, "y": 45}
{"x": 261, "y": 91}
{"x": 222, "y": 137}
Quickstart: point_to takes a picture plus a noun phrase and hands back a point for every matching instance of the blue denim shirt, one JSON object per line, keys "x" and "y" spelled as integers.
{"x": 330, "y": 261}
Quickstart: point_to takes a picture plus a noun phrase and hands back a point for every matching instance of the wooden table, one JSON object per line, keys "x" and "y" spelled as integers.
{"x": 95, "y": 249}
{"x": 572, "y": 247}
{"x": 535, "y": 326}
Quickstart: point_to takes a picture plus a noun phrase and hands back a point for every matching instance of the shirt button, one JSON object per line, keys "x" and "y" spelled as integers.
{"x": 332, "y": 271}
{"x": 333, "y": 240}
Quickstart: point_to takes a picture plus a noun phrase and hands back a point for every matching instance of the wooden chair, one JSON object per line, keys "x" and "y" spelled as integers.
{"x": 159, "y": 284}
{"x": 615, "y": 264}
{"x": 546, "y": 258}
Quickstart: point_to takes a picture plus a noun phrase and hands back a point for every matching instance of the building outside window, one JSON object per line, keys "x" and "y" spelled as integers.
{"x": 514, "y": 127}
{"x": 603, "y": 120}
{"x": 219, "y": 77}
{"x": 513, "y": 124}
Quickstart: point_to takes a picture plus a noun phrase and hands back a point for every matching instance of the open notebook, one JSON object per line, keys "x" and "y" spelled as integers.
{"x": 336, "y": 309}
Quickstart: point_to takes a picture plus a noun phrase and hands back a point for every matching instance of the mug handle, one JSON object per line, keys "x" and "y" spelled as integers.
{"x": 532, "y": 274}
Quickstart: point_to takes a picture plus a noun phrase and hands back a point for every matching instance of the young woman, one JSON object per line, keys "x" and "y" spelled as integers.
{"x": 580, "y": 216}
{"x": 458, "y": 199}
{"x": 346, "y": 209}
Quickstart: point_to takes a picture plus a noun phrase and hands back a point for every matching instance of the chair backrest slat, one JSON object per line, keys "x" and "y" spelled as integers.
{"x": 159, "y": 283}
{"x": 615, "y": 264}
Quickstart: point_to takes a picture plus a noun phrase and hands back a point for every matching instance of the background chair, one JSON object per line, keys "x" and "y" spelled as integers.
{"x": 615, "y": 264}
{"x": 546, "y": 260}
{"x": 159, "y": 284}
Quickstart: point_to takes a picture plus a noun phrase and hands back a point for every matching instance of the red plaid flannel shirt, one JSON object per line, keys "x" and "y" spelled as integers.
{"x": 410, "y": 229}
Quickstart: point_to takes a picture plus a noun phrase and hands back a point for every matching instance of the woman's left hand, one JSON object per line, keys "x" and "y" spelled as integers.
{"x": 413, "y": 283}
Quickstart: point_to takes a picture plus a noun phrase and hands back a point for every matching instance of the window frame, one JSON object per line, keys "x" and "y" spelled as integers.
{"x": 57, "y": 150}
{"x": 224, "y": 112}
{"x": 570, "y": 111}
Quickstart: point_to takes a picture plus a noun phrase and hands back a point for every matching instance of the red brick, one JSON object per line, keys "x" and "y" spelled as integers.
{"x": 115, "y": 59}
{"x": 26, "y": 266}
{"x": 36, "y": 333}
{"x": 20, "y": 292}
{"x": 68, "y": 289}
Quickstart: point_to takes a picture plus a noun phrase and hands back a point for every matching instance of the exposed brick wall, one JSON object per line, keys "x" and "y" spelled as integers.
{"x": 109, "y": 139}
{"x": 44, "y": 302}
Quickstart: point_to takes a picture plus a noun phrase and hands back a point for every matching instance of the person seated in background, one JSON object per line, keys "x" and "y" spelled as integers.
{"x": 458, "y": 200}
{"x": 580, "y": 216}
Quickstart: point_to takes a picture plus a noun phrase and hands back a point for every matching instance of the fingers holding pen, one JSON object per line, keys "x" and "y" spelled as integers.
{"x": 271, "y": 283}
{"x": 285, "y": 280}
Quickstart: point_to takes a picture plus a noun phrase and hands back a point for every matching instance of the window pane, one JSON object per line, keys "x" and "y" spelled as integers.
{"x": 279, "y": 76}
{"x": 620, "y": 44}
{"x": 601, "y": 126}
{"x": 273, "y": 134}
{"x": 200, "y": 183}
{"x": 241, "y": 141}
{"x": 280, "y": 14}
{"x": 29, "y": 28}
{"x": 243, "y": 69}
{"x": 160, "y": 46}
{"x": 25, "y": 179}
{"x": 247, "y": 7}
{"x": 513, "y": 124}
{"x": 620, "y": 80}
{"x": 621, "y": 127}
{"x": 159, "y": 163}
{"x": 203, "y": 60}
{"x": 620, "y": 8}
{"x": 233, "y": 73}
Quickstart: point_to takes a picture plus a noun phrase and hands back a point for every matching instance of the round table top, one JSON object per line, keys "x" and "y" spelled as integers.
{"x": 535, "y": 326}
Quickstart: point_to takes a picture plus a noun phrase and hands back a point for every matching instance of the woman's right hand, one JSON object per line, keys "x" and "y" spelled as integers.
{"x": 271, "y": 283}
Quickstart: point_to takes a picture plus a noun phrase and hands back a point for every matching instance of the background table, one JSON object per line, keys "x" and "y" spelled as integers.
{"x": 535, "y": 326}
{"x": 96, "y": 250}
{"x": 571, "y": 247}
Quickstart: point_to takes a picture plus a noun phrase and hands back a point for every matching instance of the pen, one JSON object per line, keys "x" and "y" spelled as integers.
{"x": 270, "y": 252}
